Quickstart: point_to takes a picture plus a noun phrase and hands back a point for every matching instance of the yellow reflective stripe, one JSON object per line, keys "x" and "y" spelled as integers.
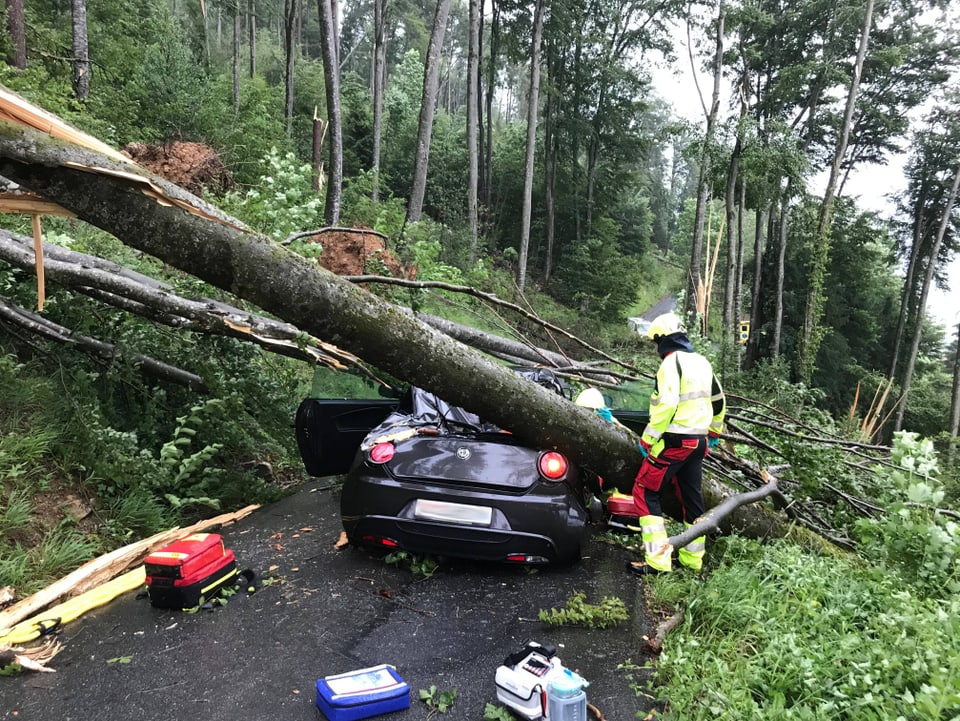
{"x": 651, "y": 432}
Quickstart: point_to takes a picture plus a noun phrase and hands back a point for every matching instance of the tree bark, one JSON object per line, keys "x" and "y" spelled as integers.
{"x": 753, "y": 345}
{"x": 730, "y": 208}
{"x": 379, "y": 83}
{"x": 108, "y": 353}
{"x": 909, "y": 279}
{"x": 81, "y": 52}
{"x": 252, "y": 28}
{"x": 236, "y": 60}
{"x": 955, "y": 398}
{"x": 290, "y": 50}
{"x": 428, "y": 102}
{"x": 549, "y": 185}
{"x": 17, "y": 56}
{"x": 487, "y": 177}
{"x": 533, "y": 101}
{"x": 139, "y": 294}
{"x": 331, "y": 78}
{"x": 473, "y": 119}
{"x": 784, "y": 224}
{"x": 295, "y": 289}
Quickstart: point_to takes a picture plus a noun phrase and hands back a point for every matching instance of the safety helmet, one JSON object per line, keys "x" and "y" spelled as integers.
{"x": 665, "y": 324}
{"x": 590, "y": 398}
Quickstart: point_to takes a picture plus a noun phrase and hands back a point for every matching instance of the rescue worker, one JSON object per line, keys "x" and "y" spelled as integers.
{"x": 687, "y": 407}
{"x": 593, "y": 399}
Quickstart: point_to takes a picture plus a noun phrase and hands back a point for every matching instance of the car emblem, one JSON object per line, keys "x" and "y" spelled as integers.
{"x": 463, "y": 453}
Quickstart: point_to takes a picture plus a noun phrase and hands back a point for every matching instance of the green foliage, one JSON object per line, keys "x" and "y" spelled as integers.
{"x": 61, "y": 551}
{"x": 386, "y": 215}
{"x": 914, "y": 537}
{"x": 597, "y": 276}
{"x": 438, "y": 701}
{"x": 282, "y": 201}
{"x": 173, "y": 86}
{"x": 419, "y": 566}
{"x": 16, "y": 513}
{"x": 16, "y": 569}
{"x": 610, "y": 612}
{"x": 496, "y": 713}
{"x": 243, "y": 139}
{"x": 774, "y": 633}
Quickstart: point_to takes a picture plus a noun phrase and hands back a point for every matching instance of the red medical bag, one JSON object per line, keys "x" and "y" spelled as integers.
{"x": 189, "y": 571}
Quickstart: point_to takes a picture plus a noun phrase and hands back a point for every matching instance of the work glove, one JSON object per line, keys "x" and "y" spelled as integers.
{"x": 644, "y": 448}
{"x": 605, "y": 414}
{"x": 713, "y": 440}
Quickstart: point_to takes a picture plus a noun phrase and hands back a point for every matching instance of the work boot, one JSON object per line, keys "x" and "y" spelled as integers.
{"x": 639, "y": 568}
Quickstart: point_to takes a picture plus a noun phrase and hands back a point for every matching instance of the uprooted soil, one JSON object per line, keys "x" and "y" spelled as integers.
{"x": 193, "y": 166}
{"x": 348, "y": 251}
{"x": 196, "y": 167}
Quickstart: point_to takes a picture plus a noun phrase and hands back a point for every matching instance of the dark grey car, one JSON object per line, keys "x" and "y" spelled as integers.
{"x": 427, "y": 477}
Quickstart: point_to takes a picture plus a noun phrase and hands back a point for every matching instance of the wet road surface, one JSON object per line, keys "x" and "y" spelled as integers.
{"x": 258, "y": 657}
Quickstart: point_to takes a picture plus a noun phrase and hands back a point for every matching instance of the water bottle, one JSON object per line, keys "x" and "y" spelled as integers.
{"x": 566, "y": 699}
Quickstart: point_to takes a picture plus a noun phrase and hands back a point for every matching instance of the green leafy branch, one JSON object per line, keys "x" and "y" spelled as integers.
{"x": 577, "y": 611}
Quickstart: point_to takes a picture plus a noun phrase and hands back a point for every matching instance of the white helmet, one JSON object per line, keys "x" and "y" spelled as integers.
{"x": 666, "y": 324}
{"x": 590, "y": 398}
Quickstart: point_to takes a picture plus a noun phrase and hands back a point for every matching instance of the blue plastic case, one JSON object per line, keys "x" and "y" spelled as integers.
{"x": 362, "y": 693}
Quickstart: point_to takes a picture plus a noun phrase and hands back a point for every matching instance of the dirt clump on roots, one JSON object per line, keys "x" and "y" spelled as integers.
{"x": 193, "y": 166}
{"x": 357, "y": 251}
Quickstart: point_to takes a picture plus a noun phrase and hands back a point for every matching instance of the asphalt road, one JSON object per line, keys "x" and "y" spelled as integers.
{"x": 258, "y": 657}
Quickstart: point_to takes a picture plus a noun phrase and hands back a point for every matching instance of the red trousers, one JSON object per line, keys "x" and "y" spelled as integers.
{"x": 680, "y": 465}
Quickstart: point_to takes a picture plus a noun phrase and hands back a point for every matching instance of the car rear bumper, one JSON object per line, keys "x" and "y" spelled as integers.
{"x": 546, "y": 528}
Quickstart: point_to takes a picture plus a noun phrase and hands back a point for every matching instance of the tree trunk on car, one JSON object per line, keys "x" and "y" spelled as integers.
{"x": 209, "y": 245}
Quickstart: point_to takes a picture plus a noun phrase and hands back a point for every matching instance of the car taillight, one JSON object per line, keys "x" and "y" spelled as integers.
{"x": 525, "y": 558}
{"x": 382, "y": 452}
{"x": 381, "y": 541}
{"x": 553, "y": 465}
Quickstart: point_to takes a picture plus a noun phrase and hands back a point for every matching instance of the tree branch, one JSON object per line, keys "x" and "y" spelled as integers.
{"x": 103, "y": 351}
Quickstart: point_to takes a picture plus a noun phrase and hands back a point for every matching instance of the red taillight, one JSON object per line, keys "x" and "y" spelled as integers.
{"x": 526, "y": 558}
{"x": 380, "y": 540}
{"x": 553, "y": 465}
{"x": 382, "y": 452}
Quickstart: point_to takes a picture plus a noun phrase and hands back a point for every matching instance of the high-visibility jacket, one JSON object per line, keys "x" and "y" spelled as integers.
{"x": 687, "y": 399}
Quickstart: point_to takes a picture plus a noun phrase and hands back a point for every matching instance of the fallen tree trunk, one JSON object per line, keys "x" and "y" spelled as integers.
{"x": 224, "y": 253}
{"x": 295, "y": 289}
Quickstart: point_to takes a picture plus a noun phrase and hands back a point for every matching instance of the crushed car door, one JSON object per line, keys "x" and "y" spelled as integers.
{"x": 329, "y": 431}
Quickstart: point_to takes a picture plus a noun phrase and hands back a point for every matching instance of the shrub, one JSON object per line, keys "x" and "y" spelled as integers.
{"x": 774, "y": 633}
